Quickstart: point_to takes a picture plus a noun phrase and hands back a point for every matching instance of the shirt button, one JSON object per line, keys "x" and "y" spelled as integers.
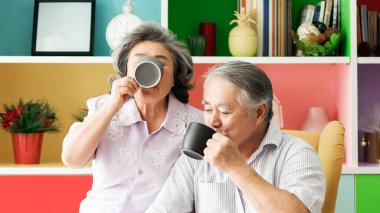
{"x": 139, "y": 172}
{"x": 129, "y": 197}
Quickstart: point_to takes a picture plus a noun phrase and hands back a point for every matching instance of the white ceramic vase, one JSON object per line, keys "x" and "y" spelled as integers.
{"x": 316, "y": 119}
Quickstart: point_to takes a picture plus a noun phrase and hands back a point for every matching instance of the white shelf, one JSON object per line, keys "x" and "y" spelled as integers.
{"x": 275, "y": 60}
{"x": 55, "y": 59}
{"x": 362, "y": 169}
{"x": 368, "y": 60}
{"x": 44, "y": 171}
{"x": 50, "y": 168}
{"x": 197, "y": 59}
{"x": 61, "y": 170}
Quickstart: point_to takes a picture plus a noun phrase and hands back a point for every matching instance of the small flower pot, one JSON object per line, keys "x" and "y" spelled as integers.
{"x": 27, "y": 147}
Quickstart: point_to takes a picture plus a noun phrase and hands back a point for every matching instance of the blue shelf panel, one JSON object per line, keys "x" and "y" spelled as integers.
{"x": 16, "y": 23}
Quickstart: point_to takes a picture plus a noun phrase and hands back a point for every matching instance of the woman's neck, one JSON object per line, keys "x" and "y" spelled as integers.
{"x": 154, "y": 113}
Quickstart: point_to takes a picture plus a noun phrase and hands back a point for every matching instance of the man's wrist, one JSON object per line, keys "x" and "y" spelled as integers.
{"x": 241, "y": 172}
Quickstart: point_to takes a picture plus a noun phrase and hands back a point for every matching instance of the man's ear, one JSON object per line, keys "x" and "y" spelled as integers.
{"x": 261, "y": 112}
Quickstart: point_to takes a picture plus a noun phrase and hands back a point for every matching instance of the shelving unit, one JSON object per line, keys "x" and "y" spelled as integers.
{"x": 368, "y": 60}
{"x": 55, "y": 60}
{"x": 67, "y": 82}
{"x": 196, "y": 60}
{"x": 342, "y": 67}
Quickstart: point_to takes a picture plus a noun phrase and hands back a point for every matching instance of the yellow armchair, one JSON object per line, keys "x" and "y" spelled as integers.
{"x": 329, "y": 143}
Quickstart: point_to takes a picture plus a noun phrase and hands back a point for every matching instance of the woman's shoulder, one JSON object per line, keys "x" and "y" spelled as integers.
{"x": 97, "y": 102}
{"x": 186, "y": 111}
{"x": 194, "y": 114}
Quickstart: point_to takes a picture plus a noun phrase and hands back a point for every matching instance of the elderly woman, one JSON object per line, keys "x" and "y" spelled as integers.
{"x": 134, "y": 135}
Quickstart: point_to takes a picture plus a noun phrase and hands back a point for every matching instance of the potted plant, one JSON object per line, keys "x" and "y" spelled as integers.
{"x": 316, "y": 40}
{"x": 80, "y": 115}
{"x": 27, "y": 122}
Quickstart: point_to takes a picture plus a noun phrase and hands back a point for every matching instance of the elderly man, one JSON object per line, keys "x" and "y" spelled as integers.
{"x": 249, "y": 164}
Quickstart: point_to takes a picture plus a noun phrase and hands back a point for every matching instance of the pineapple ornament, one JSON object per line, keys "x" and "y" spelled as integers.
{"x": 242, "y": 40}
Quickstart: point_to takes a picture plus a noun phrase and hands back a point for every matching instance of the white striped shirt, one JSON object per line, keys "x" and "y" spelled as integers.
{"x": 283, "y": 160}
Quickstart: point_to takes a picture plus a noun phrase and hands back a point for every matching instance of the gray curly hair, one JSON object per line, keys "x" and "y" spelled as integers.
{"x": 183, "y": 63}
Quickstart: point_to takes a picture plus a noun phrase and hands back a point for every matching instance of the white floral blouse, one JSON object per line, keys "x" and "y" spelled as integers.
{"x": 131, "y": 165}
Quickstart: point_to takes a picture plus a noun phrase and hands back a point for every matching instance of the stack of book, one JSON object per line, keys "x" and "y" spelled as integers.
{"x": 273, "y": 18}
{"x": 326, "y": 12}
{"x": 274, "y": 22}
{"x": 368, "y": 24}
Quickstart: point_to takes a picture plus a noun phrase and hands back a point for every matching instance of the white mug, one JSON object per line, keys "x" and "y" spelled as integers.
{"x": 148, "y": 71}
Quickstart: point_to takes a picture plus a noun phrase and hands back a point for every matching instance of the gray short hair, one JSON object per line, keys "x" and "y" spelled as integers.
{"x": 255, "y": 87}
{"x": 183, "y": 63}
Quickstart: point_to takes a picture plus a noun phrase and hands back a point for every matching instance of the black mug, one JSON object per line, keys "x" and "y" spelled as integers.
{"x": 195, "y": 140}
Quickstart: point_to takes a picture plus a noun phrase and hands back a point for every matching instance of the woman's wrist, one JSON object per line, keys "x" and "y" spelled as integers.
{"x": 111, "y": 108}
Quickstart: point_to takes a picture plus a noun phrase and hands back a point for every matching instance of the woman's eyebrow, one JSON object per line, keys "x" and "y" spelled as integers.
{"x": 161, "y": 57}
{"x": 157, "y": 56}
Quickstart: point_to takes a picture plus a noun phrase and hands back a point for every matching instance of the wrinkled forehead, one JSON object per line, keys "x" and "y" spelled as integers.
{"x": 218, "y": 91}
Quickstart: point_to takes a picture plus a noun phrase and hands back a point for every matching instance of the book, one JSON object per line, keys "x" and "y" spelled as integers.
{"x": 289, "y": 28}
{"x": 266, "y": 28}
{"x": 316, "y": 13}
{"x": 307, "y": 14}
{"x": 372, "y": 26}
{"x": 321, "y": 11}
{"x": 359, "y": 27}
{"x": 327, "y": 16}
{"x": 334, "y": 23}
{"x": 378, "y": 28}
{"x": 364, "y": 22}
{"x": 339, "y": 14}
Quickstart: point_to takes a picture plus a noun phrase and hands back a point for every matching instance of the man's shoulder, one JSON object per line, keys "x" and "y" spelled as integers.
{"x": 293, "y": 143}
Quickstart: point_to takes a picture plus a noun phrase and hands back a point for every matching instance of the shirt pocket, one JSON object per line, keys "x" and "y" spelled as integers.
{"x": 215, "y": 198}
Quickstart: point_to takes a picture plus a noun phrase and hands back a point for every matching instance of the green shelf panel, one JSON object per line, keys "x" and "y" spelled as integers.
{"x": 345, "y": 25}
{"x": 185, "y": 16}
{"x": 367, "y": 193}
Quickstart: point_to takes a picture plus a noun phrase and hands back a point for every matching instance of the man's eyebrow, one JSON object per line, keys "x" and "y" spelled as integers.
{"x": 226, "y": 106}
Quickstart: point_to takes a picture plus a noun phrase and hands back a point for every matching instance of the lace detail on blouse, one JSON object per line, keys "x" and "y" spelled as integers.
{"x": 114, "y": 132}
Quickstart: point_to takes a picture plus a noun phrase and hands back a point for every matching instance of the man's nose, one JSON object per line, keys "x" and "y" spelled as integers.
{"x": 215, "y": 121}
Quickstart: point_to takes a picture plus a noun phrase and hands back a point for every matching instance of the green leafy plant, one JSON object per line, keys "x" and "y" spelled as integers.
{"x": 328, "y": 48}
{"x": 80, "y": 115}
{"x": 30, "y": 117}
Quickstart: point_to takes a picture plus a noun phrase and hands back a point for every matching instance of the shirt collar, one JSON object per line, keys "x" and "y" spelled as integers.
{"x": 176, "y": 116}
{"x": 129, "y": 113}
{"x": 175, "y": 120}
{"x": 272, "y": 138}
